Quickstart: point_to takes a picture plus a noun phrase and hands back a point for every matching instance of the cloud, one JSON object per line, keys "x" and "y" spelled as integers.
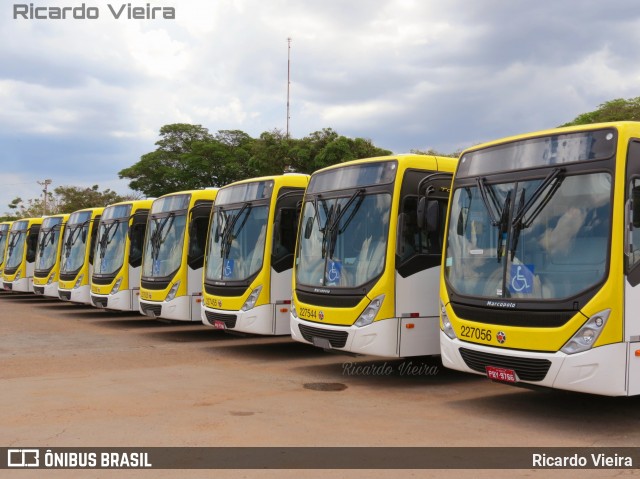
{"x": 84, "y": 99}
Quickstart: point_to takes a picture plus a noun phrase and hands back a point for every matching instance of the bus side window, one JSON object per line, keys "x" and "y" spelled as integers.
{"x": 633, "y": 184}
{"x": 137, "y": 240}
{"x": 32, "y": 243}
{"x": 197, "y": 241}
{"x": 285, "y": 226}
{"x": 93, "y": 224}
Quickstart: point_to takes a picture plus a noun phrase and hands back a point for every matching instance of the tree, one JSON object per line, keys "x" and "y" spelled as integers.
{"x": 165, "y": 169}
{"x": 614, "y": 110}
{"x": 33, "y": 207}
{"x": 433, "y": 152}
{"x": 73, "y": 198}
{"x": 189, "y": 157}
{"x": 64, "y": 199}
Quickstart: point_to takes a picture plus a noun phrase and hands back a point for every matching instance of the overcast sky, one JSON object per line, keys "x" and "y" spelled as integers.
{"x": 82, "y": 99}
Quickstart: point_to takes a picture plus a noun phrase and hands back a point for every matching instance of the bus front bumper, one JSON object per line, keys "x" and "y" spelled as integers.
{"x": 121, "y": 301}
{"x": 597, "y": 371}
{"x": 391, "y": 338}
{"x": 259, "y": 320}
{"x": 178, "y": 309}
{"x": 50, "y": 290}
{"x": 81, "y": 295}
{"x": 23, "y": 285}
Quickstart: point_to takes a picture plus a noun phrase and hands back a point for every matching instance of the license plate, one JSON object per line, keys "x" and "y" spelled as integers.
{"x": 219, "y": 324}
{"x": 501, "y": 374}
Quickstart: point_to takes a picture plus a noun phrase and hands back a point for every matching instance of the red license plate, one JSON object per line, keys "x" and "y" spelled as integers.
{"x": 501, "y": 374}
{"x": 219, "y": 324}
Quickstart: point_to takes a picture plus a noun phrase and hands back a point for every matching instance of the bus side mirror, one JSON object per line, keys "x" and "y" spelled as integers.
{"x": 277, "y": 226}
{"x": 432, "y": 216}
{"x": 84, "y": 235}
{"x": 635, "y": 214}
{"x": 402, "y": 223}
{"x": 308, "y": 228}
{"x": 428, "y": 215}
{"x": 422, "y": 203}
{"x": 216, "y": 236}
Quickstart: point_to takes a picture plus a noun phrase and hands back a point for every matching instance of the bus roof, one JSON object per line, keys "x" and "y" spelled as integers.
{"x": 619, "y": 125}
{"x": 409, "y": 160}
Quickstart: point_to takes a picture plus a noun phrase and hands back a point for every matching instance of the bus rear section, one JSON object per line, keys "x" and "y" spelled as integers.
{"x": 76, "y": 256}
{"x": 21, "y": 255}
{"x": 173, "y": 255}
{"x": 368, "y": 256}
{"x": 250, "y": 251}
{"x": 540, "y": 278}
{"x": 115, "y": 282}
{"x": 47, "y": 265}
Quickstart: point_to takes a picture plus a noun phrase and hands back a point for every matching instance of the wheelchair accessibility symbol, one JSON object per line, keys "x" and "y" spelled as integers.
{"x": 334, "y": 271}
{"x": 227, "y": 271}
{"x": 521, "y": 279}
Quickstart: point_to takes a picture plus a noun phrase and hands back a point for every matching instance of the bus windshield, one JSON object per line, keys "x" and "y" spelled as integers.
{"x": 343, "y": 241}
{"x": 544, "y": 238}
{"x": 163, "y": 245}
{"x": 47, "y": 249}
{"x": 15, "y": 248}
{"x": 4, "y": 234}
{"x": 236, "y": 242}
{"x": 74, "y": 245}
{"x": 110, "y": 246}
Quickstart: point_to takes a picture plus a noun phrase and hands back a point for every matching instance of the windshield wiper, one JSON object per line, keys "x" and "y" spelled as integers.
{"x": 105, "y": 240}
{"x": 43, "y": 241}
{"x": 12, "y": 243}
{"x": 228, "y": 234}
{"x": 335, "y": 228}
{"x": 72, "y": 238}
{"x": 502, "y": 222}
{"x": 157, "y": 238}
{"x": 553, "y": 181}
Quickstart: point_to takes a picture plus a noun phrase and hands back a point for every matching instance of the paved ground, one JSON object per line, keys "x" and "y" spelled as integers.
{"x": 76, "y": 376}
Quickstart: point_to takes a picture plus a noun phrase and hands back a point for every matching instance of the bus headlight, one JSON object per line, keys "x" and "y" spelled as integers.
{"x": 370, "y": 312}
{"x": 447, "y": 328}
{"x": 51, "y": 279}
{"x": 18, "y": 275}
{"x": 116, "y": 287}
{"x": 293, "y": 311}
{"x": 78, "y": 282}
{"x": 172, "y": 292}
{"x": 251, "y": 300}
{"x": 588, "y": 334}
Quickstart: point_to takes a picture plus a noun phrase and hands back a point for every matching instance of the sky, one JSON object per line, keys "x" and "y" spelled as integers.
{"x": 81, "y": 99}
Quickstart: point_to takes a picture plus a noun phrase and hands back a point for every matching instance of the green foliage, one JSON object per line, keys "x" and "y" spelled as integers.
{"x": 73, "y": 198}
{"x": 64, "y": 199}
{"x": 614, "y": 110}
{"x": 433, "y": 152}
{"x": 189, "y": 157}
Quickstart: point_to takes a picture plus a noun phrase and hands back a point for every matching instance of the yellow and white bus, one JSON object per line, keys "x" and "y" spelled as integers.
{"x": 541, "y": 273}
{"x": 76, "y": 257}
{"x": 5, "y": 227}
{"x": 47, "y": 270}
{"x": 368, "y": 256}
{"x": 21, "y": 255}
{"x": 249, "y": 258}
{"x": 175, "y": 241}
{"x": 115, "y": 281}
